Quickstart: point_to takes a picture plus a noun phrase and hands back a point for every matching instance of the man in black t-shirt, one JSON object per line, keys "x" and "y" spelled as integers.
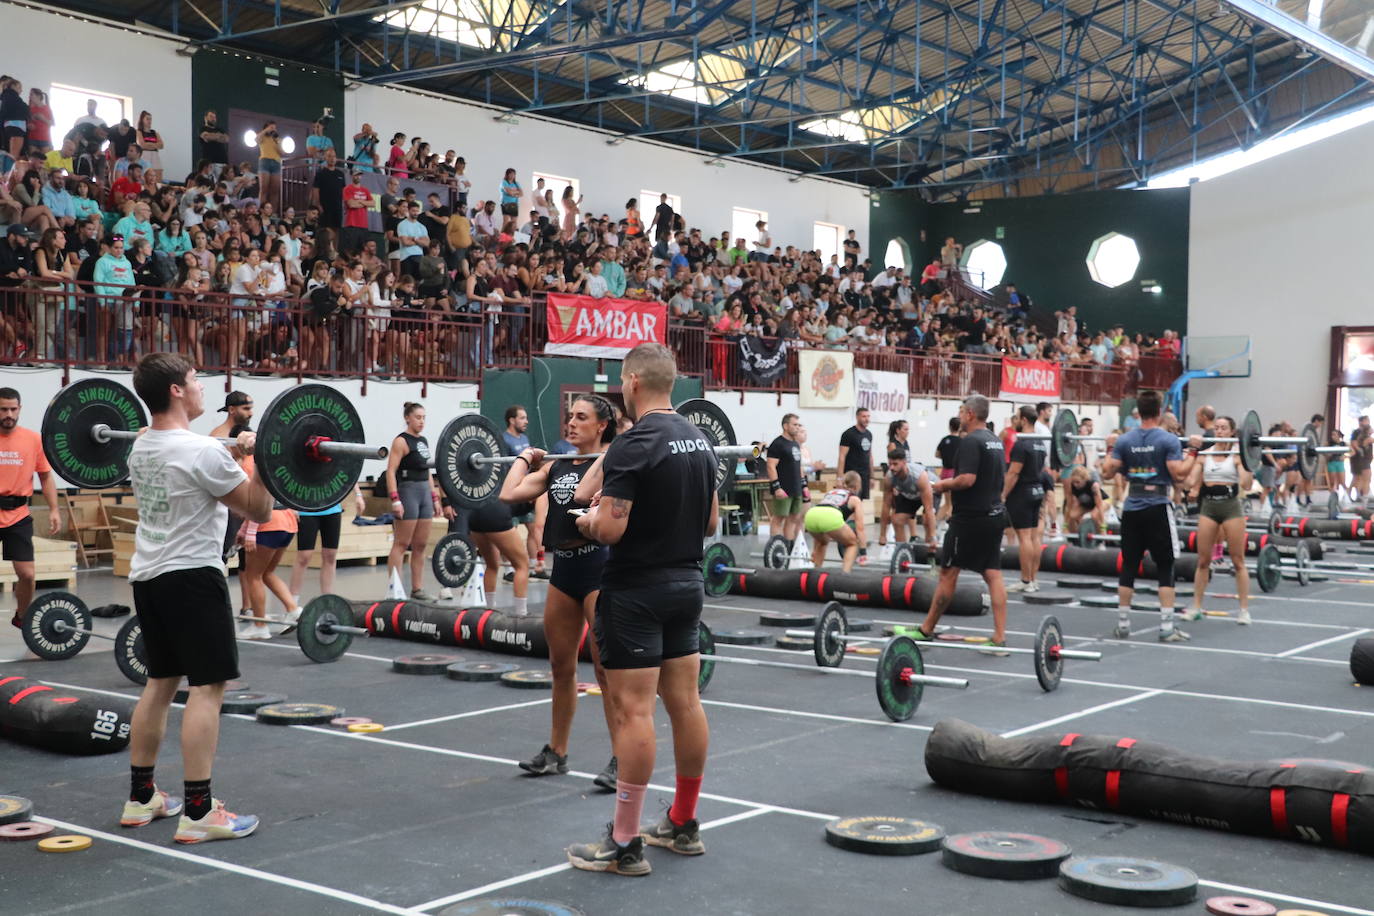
{"x": 974, "y": 538}
{"x": 856, "y": 454}
{"x": 662, "y": 223}
{"x": 214, "y": 144}
{"x": 785, "y": 479}
{"x": 1023, "y": 492}
{"x": 326, "y": 191}
{"x": 657, "y": 500}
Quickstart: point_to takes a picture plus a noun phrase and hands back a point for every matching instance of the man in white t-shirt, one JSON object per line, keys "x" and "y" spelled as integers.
{"x": 763, "y": 245}
{"x": 185, "y": 484}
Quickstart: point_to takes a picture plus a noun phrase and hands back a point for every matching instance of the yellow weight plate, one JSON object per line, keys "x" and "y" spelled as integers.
{"x": 70, "y": 842}
{"x": 977, "y": 640}
{"x": 1216, "y": 613}
{"x": 864, "y": 650}
{"x": 1299, "y": 913}
{"x": 366, "y": 728}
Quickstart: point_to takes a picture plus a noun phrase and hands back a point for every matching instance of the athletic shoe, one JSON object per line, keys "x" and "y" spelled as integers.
{"x": 609, "y": 856}
{"x": 292, "y": 619}
{"x": 605, "y": 780}
{"x": 1243, "y": 618}
{"x": 539, "y": 574}
{"x": 136, "y": 814}
{"x": 1173, "y": 634}
{"x": 445, "y": 594}
{"x": 255, "y": 631}
{"x": 509, "y": 577}
{"x": 913, "y": 632}
{"x": 1190, "y": 614}
{"x": 421, "y": 595}
{"x": 1031, "y": 587}
{"x": 17, "y": 621}
{"x": 683, "y": 839}
{"x": 545, "y": 763}
{"x": 1019, "y": 586}
{"x": 992, "y": 647}
{"x": 218, "y": 824}
{"x": 863, "y": 559}
{"x": 1121, "y": 632}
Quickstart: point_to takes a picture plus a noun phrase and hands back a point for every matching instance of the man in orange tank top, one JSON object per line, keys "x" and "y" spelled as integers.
{"x": 21, "y": 456}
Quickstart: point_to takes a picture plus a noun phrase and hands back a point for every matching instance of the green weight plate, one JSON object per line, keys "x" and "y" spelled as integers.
{"x": 1010, "y": 856}
{"x": 1065, "y": 448}
{"x": 716, "y": 428}
{"x": 1049, "y": 667}
{"x": 528, "y": 679}
{"x": 480, "y": 671}
{"x": 466, "y": 437}
{"x": 128, "y": 651}
{"x": 737, "y": 636}
{"x": 424, "y": 664}
{"x": 53, "y": 624}
{"x": 1269, "y": 568}
{"x": 1308, "y": 456}
{"x": 1123, "y": 881}
{"x": 794, "y": 643}
{"x": 884, "y": 836}
{"x": 1250, "y": 448}
{"x": 510, "y": 906}
{"x": 314, "y": 634}
{"x": 718, "y": 556}
{"x": 298, "y": 713}
{"x": 776, "y": 554}
{"x": 454, "y": 560}
{"x": 903, "y": 562}
{"x": 706, "y": 646}
{"x": 247, "y": 702}
{"x": 898, "y": 696}
{"x": 1087, "y": 528}
{"x": 295, "y": 416}
{"x": 786, "y": 619}
{"x": 67, "y": 423}
{"x": 1302, "y": 561}
{"x": 15, "y": 808}
{"x": 828, "y": 643}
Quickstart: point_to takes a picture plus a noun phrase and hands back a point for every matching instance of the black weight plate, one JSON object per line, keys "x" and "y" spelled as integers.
{"x": 293, "y": 478}
{"x": 898, "y": 697}
{"x": 828, "y": 642}
{"x": 1098, "y": 600}
{"x": 480, "y": 671}
{"x": 1128, "y": 882}
{"x": 52, "y": 625}
{"x": 1065, "y": 425}
{"x": 786, "y": 619}
{"x": 464, "y": 437}
{"x": 1333, "y": 505}
{"x": 706, "y": 646}
{"x": 794, "y": 643}
{"x": 860, "y": 625}
{"x": 1078, "y": 583}
{"x": 742, "y": 637}
{"x": 67, "y": 423}
{"x": 298, "y": 713}
{"x": 454, "y": 560}
{"x": 313, "y": 633}
{"x": 15, "y": 808}
{"x": 1087, "y": 527}
{"x": 1049, "y": 667}
{"x": 1250, "y": 448}
{"x": 528, "y": 679}
{"x": 424, "y": 664}
{"x": 1269, "y": 568}
{"x": 1011, "y": 856}
{"x": 776, "y": 554}
{"x": 247, "y": 702}
{"x": 717, "y": 579}
{"x": 184, "y": 693}
{"x": 884, "y": 836}
{"x": 1046, "y": 597}
{"x": 128, "y": 651}
{"x": 903, "y": 562}
{"x": 716, "y": 428}
{"x": 1308, "y": 456}
{"x": 510, "y": 906}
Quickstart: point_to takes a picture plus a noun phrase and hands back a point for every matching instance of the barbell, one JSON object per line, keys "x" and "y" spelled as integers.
{"x": 1302, "y": 567}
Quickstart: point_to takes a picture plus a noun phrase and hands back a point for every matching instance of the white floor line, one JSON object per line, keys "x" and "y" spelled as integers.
{"x": 264, "y": 644}
{"x": 1324, "y": 642}
{"x": 1222, "y": 650}
{"x": 175, "y": 853}
{"x": 468, "y": 715}
{"x": 1286, "y": 898}
{"x": 555, "y": 869}
{"x": 816, "y": 715}
{"x": 1135, "y": 698}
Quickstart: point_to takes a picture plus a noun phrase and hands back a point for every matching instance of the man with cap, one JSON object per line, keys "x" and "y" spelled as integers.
{"x": 16, "y": 266}
{"x": 238, "y": 411}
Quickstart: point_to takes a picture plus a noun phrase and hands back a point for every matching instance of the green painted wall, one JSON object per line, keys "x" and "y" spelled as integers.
{"x": 221, "y": 81}
{"x": 1046, "y": 242}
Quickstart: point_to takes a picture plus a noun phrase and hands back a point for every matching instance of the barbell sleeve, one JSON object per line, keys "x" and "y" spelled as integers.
{"x": 724, "y": 451}
{"x": 321, "y": 448}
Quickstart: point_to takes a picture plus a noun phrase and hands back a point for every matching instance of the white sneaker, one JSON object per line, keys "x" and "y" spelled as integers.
{"x": 1031, "y": 587}
{"x": 296, "y": 599}
{"x": 1243, "y": 618}
{"x": 445, "y": 594}
{"x": 1020, "y": 586}
{"x": 255, "y": 631}
{"x": 292, "y": 616}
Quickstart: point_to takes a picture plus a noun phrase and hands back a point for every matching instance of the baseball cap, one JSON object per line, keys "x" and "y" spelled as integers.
{"x": 19, "y": 229}
{"x": 235, "y": 399}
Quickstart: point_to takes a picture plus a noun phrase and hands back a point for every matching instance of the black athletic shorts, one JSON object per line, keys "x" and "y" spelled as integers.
{"x": 974, "y": 544}
{"x": 641, "y": 627}
{"x": 903, "y": 506}
{"x": 1024, "y": 509}
{"x": 18, "y": 540}
{"x": 326, "y": 527}
{"x": 188, "y": 628}
{"x": 492, "y": 517}
{"x": 1150, "y": 530}
{"x": 577, "y": 570}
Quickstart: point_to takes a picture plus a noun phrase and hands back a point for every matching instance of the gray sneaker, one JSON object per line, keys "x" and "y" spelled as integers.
{"x": 421, "y": 595}
{"x": 610, "y": 857}
{"x": 1173, "y": 634}
{"x": 545, "y": 763}
{"x": 683, "y": 839}
{"x": 606, "y": 779}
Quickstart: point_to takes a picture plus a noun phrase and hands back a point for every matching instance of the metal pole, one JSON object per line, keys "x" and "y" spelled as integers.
{"x": 928, "y": 680}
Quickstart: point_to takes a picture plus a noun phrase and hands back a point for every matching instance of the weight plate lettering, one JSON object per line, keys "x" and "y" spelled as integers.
{"x": 480, "y": 671}
{"x": 15, "y": 808}
{"x": 716, "y": 428}
{"x": 424, "y": 664}
{"x": 67, "y": 424}
{"x": 706, "y": 647}
{"x": 1240, "y": 906}
{"x": 53, "y": 624}
{"x": 24, "y": 830}
{"x": 511, "y": 907}
{"x": 829, "y": 643}
{"x": 884, "y": 836}
{"x": 315, "y": 634}
{"x": 1049, "y": 667}
{"x": 718, "y": 555}
{"x": 294, "y": 417}
{"x": 247, "y": 702}
{"x": 298, "y": 713}
{"x": 794, "y": 643}
{"x": 1249, "y": 446}
{"x": 1011, "y": 856}
{"x": 1087, "y": 528}
{"x": 528, "y": 679}
{"x": 454, "y": 560}
{"x": 1127, "y": 882}
{"x": 128, "y": 651}
{"x": 740, "y": 636}
{"x": 903, "y": 562}
{"x": 1269, "y": 568}
{"x": 70, "y": 842}
{"x": 464, "y": 438}
{"x": 897, "y": 695}
{"x": 775, "y": 553}
{"x": 786, "y": 619}
{"x": 1065, "y": 448}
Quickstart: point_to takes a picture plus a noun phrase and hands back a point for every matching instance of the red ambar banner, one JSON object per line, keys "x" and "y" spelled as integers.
{"x": 1030, "y": 380}
{"x": 606, "y": 328}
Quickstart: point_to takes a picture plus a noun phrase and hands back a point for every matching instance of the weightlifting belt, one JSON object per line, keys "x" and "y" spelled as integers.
{"x": 13, "y": 502}
{"x": 410, "y": 475}
{"x": 1220, "y": 491}
{"x": 1140, "y": 488}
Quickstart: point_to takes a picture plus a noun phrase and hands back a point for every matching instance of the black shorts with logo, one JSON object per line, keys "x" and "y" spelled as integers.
{"x": 17, "y": 540}
{"x": 188, "y": 627}
{"x": 974, "y": 544}
{"x": 640, "y": 627}
{"x": 1024, "y": 508}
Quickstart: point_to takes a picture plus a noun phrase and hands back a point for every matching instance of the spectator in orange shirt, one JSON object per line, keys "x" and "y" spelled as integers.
{"x": 21, "y": 456}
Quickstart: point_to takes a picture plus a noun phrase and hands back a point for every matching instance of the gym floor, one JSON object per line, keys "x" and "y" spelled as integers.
{"x": 433, "y": 811}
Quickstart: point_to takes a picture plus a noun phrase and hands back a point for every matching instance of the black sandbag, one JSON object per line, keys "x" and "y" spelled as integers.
{"x": 55, "y": 720}
{"x": 1329, "y": 529}
{"x": 1085, "y": 561}
{"x": 1362, "y": 661}
{"x": 1313, "y": 801}
{"x": 870, "y": 589}
{"x": 474, "y": 628}
{"x": 1254, "y": 542}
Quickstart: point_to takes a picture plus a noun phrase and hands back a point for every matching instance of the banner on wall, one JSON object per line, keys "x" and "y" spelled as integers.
{"x": 884, "y": 394}
{"x": 1030, "y": 380}
{"x": 826, "y": 378}
{"x": 602, "y": 328}
{"x": 762, "y": 360}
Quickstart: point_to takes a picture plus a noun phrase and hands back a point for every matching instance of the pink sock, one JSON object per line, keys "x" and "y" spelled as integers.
{"x": 685, "y": 799}
{"x": 629, "y": 805}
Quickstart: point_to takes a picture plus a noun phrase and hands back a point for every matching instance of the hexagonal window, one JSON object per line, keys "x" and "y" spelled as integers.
{"x": 986, "y": 263}
{"x": 1113, "y": 259}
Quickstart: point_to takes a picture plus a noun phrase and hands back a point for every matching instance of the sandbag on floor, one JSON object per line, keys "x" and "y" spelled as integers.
{"x": 51, "y": 718}
{"x": 474, "y": 628}
{"x": 871, "y": 589}
{"x": 1310, "y": 800}
{"x": 1330, "y": 529}
{"x": 1085, "y": 561}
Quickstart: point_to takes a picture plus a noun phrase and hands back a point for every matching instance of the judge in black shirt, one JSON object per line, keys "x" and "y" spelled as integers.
{"x": 785, "y": 479}
{"x": 1024, "y": 492}
{"x": 656, "y": 503}
{"x": 327, "y": 191}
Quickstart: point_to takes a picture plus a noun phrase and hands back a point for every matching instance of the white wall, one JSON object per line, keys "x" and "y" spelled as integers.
{"x": 609, "y": 175}
{"x": 44, "y": 48}
{"x": 1281, "y": 251}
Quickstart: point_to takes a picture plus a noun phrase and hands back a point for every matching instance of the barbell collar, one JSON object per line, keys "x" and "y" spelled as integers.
{"x": 101, "y": 432}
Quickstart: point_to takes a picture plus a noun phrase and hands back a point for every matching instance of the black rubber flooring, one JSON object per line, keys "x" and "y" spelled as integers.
{"x": 433, "y": 811}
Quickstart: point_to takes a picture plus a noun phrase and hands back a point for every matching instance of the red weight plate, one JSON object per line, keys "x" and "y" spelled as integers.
{"x": 24, "y": 830}
{"x": 1240, "y": 906}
